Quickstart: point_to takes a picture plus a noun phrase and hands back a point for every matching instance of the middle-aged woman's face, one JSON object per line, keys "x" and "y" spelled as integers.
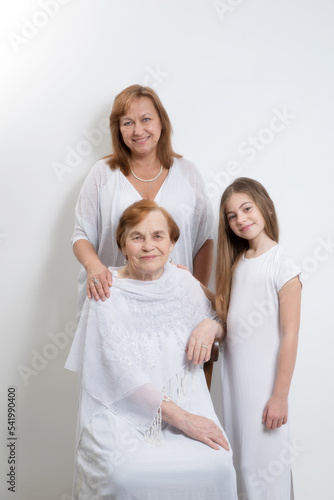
{"x": 141, "y": 127}
{"x": 147, "y": 247}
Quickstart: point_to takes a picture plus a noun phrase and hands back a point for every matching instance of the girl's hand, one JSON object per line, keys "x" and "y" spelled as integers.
{"x": 275, "y": 413}
{"x": 99, "y": 280}
{"x": 202, "y": 339}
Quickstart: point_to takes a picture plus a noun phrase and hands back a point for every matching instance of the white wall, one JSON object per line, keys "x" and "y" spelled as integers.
{"x": 224, "y": 70}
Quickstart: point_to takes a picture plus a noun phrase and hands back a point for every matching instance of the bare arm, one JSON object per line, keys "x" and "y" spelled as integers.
{"x": 203, "y": 262}
{"x": 276, "y": 411}
{"x": 210, "y": 295}
{"x": 86, "y": 255}
{"x": 197, "y": 427}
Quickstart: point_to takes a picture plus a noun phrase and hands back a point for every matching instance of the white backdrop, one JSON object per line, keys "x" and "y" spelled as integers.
{"x": 248, "y": 85}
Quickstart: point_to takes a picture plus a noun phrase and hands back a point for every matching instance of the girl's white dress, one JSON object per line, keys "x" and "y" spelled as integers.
{"x": 130, "y": 352}
{"x": 105, "y": 195}
{"x": 262, "y": 457}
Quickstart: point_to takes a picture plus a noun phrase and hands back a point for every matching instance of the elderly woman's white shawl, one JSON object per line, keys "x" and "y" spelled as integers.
{"x": 131, "y": 346}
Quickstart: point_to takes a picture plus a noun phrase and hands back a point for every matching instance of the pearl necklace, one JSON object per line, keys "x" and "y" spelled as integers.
{"x": 146, "y": 180}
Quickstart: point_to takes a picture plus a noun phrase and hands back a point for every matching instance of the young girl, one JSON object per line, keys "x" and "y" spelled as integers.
{"x": 258, "y": 290}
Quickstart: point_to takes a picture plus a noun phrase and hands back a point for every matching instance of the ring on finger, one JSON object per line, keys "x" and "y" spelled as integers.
{"x": 205, "y": 346}
{"x": 96, "y": 282}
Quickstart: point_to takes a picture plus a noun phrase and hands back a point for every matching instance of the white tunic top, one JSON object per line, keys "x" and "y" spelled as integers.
{"x": 130, "y": 352}
{"x": 105, "y": 195}
{"x": 249, "y": 368}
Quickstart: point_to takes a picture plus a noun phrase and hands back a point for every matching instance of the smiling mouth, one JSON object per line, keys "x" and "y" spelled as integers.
{"x": 247, "y": 227}
{"x": 148, "y": 257}
{"x": 141, "y": 139}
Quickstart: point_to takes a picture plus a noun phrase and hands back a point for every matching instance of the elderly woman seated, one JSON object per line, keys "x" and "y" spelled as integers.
{"x": 147, "y": 428}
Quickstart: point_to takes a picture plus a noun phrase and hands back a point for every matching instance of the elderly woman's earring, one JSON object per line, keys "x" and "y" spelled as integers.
{"x": 125, "y": 260}
{"x": 170, "y": 260}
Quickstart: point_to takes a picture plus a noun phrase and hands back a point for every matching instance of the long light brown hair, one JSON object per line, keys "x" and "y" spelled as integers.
{"x": 121, "y": 153}
{"x": 230, "y": 246}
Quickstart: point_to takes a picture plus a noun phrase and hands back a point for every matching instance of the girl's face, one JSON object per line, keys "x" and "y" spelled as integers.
{"x": 244, "y": 217}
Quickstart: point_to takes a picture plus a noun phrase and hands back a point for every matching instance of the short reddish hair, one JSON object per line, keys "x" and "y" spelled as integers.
{"x": 137, "y": 212}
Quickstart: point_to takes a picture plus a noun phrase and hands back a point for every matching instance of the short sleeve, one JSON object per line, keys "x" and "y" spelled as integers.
{"x": 205, "y": 213}
{"x": 286, "y": 269}
{"x": 87, "y": 211}
{"x": 202, "y": 217}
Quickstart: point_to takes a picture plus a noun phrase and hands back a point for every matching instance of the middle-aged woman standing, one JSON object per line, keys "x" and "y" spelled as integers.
{"x": 143, "y": 166}
{"x": 147, "y": 428}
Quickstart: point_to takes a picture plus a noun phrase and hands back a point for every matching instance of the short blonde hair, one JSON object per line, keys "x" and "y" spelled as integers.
{"x": 137, "y": 212}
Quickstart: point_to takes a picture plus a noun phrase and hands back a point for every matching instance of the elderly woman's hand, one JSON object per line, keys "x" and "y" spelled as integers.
{"x": 205, "y": 430}
{"x": 99, "y": 280}
{"x": 195, "y": 426}
{"x": 202, "y": 339}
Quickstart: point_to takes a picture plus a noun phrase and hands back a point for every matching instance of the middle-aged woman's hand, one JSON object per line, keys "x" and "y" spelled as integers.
{"x": 181, "y": 266}
{"x": 99, "y": 280}
{"x": 202, "y": 339}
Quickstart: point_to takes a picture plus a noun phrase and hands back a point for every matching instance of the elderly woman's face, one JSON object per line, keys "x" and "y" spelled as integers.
{"x": 141, "y": 127}
{"x": 147, "y": 247}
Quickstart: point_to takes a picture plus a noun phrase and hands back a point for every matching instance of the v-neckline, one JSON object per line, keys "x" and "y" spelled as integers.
{"x": 159, "y": 191}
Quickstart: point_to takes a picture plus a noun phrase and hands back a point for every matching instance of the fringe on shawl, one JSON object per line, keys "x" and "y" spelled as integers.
{"x": 153, "y": 434}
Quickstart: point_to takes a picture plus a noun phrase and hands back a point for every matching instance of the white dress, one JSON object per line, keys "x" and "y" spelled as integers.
{"x": 249, "y": 365}
{"x": 130, "y": 352}
{"x": 105, "y": 195}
